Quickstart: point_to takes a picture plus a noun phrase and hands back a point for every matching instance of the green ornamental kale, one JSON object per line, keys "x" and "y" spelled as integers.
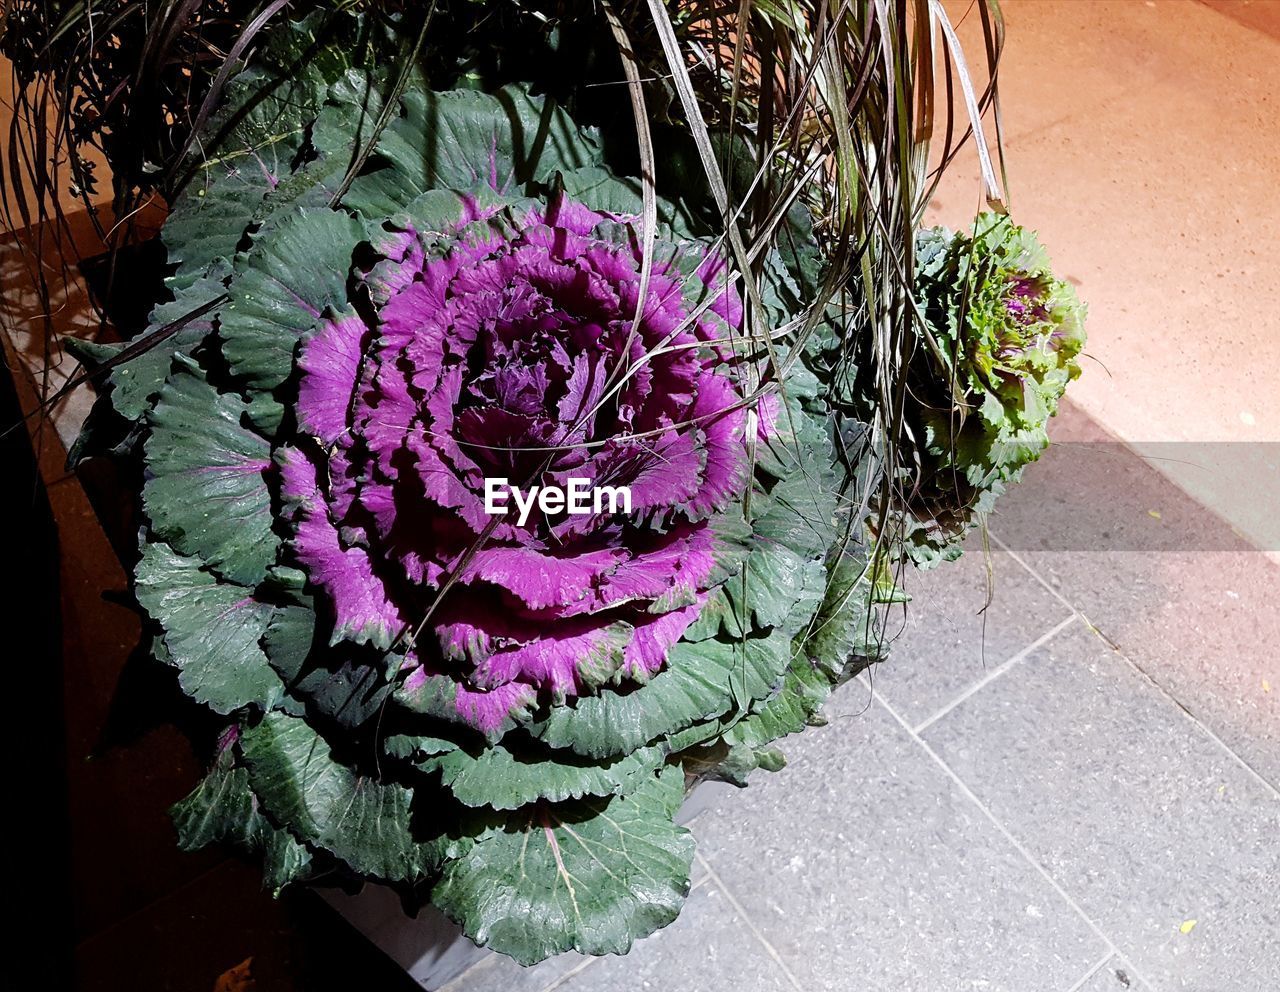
{"x": 1003, "y": 336}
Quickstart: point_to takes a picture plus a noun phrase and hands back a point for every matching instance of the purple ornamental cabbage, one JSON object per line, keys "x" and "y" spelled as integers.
{"x": 474, "y": 709}
{"x": 508, "y": 349}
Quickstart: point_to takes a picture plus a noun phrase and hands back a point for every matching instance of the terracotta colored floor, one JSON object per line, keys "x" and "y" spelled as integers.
{"x": 1143, "y": 143}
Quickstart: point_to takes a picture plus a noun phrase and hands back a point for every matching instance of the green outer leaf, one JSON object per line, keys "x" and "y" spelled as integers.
{"x": 497, "y": 778}
{"x": 601, "y": 190}
{"x": 348, "y": 694}
{"x": 281, "y": 290}
{"x": 804, "y": 691}
{"x": 243, "y": 159}
{"x": 461, "y": 138}
{"x": 782, "y": 588}
{"x": 800, "y": 509}
{"x": 416, "y": 747}
{"x": 363, "y": 822}
{"x": 339, "y": 130}
{"x": 844, "y": 634}
{"x": 211, "y": 630}
{"x": 215, "y": 210}
{"x": 825, "y": 653}
{"x": 702, "y": 680}
{"x": 102, "y": 433}
{"x": 223, "y": 810}
{"x": 593, "y": 875}
{"x": 135, "y": 383}
{"x": 440, "y": 210}
{"x": 206, "y": 494}
{"x": 288, "y": 640}
{"x": 732, "y": 763}
{"x": 846, "y": 627}
{"x": 437, "y": 695}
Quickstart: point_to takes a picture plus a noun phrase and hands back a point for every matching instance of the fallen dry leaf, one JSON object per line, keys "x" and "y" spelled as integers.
{"x": 238, "y": 979}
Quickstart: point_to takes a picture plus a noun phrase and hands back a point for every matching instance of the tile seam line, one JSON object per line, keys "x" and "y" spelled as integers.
{"x": 571, "y": 974}
{"x": 1091, "y": 972}
{"x": 998, "y": 671}
{"x": 578, "y": 969}
{"x": 1000, "y": 827}
{"x": 995, "y": 539}
{"x": 454, "y": 984}
{"x": 1266, "y": 783}
{"x": 1261, "y": 779}
{"x": 738, "y": 908}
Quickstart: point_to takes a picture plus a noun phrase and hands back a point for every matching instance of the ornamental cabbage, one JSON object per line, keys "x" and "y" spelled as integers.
{"x": 1005, "y": 334}
{"x": 501, "y": 343}
{"x": 501, "y": 718}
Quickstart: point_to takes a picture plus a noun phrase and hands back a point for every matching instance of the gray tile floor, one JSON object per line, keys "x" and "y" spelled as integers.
{"x": 1073, "y": 791}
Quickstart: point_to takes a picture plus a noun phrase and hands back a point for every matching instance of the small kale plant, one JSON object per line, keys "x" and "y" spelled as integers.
{"x": 1000, "y": 343}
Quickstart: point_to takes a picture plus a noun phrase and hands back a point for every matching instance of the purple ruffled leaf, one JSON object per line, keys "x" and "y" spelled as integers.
{"x": 507, "y": 346}
{"x": 330, "y": 362}
{"x": 363, "y": 610}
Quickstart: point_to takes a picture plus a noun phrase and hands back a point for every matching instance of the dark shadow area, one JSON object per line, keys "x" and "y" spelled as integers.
{"x": 37, "y": 811}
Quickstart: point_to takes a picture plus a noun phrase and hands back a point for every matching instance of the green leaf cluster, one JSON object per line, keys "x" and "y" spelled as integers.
{"x": 558, "y": 832}
{"x": 999, "y": 342}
